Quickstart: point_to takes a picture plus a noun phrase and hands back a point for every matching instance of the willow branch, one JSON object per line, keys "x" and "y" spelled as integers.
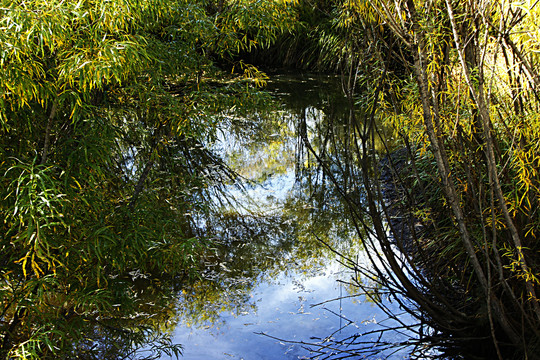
{"x": 478, "y": 97}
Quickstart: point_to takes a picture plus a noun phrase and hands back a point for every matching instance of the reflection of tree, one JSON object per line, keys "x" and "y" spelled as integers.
{"x": 246, "y": 247}
{"x": 137, "y": 327}
{"x": 254, "y": 244}
{"x": 268, "y": 140}
{"x": 299, "y": 92}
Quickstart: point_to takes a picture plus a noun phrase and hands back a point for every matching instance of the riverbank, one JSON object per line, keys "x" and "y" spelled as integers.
{"x": 467, "y": 331}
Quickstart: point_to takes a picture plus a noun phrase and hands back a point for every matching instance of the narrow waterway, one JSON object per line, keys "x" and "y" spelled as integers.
{"x": 272, "y": 289}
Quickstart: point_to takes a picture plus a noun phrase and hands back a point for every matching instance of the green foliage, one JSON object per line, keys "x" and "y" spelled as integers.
{"x": 466, "y": 106}
{"x": 106, "y": 108}
{"x": 457, "y": 83}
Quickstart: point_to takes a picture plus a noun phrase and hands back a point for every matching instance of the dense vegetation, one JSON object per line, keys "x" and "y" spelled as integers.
{"x": 458, "y": 84}
{"x": 107, "y": 109}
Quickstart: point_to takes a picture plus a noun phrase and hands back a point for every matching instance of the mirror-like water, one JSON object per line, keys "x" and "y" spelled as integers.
{"x": 272, "y": 290}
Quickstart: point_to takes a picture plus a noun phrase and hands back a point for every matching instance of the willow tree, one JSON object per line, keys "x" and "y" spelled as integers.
{"x": 106, "y": 108}
{"x": 458, "y": 82}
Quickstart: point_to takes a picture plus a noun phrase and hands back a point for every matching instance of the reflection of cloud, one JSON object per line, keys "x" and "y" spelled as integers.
{"x": 276, "y": 188}
{"x": 267, "y": 197}
{"x": 281, "y": 311}
{"x": 290, "y": 272}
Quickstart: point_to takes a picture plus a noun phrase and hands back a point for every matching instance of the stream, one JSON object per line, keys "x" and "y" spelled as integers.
{"x": 272, "y": 289}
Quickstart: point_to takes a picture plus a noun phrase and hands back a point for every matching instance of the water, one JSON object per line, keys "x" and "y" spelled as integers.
{"x": 272, "y": 290}
{"x": 283, "y": 312}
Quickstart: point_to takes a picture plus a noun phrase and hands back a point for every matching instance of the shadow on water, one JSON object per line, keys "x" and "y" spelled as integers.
{"x": 271, "y": 288}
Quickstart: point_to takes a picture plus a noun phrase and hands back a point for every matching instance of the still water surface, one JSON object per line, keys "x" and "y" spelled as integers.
{"x": 273, "y": 290}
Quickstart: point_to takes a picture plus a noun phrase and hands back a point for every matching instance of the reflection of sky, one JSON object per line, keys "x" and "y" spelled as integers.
{"x": 284, "y": 311}
{"x": 270, "y": 194}
{"x": 283, "y": 304}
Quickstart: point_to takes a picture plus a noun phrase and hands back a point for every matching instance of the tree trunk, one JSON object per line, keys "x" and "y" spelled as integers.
{"x": 48, "y": 130}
